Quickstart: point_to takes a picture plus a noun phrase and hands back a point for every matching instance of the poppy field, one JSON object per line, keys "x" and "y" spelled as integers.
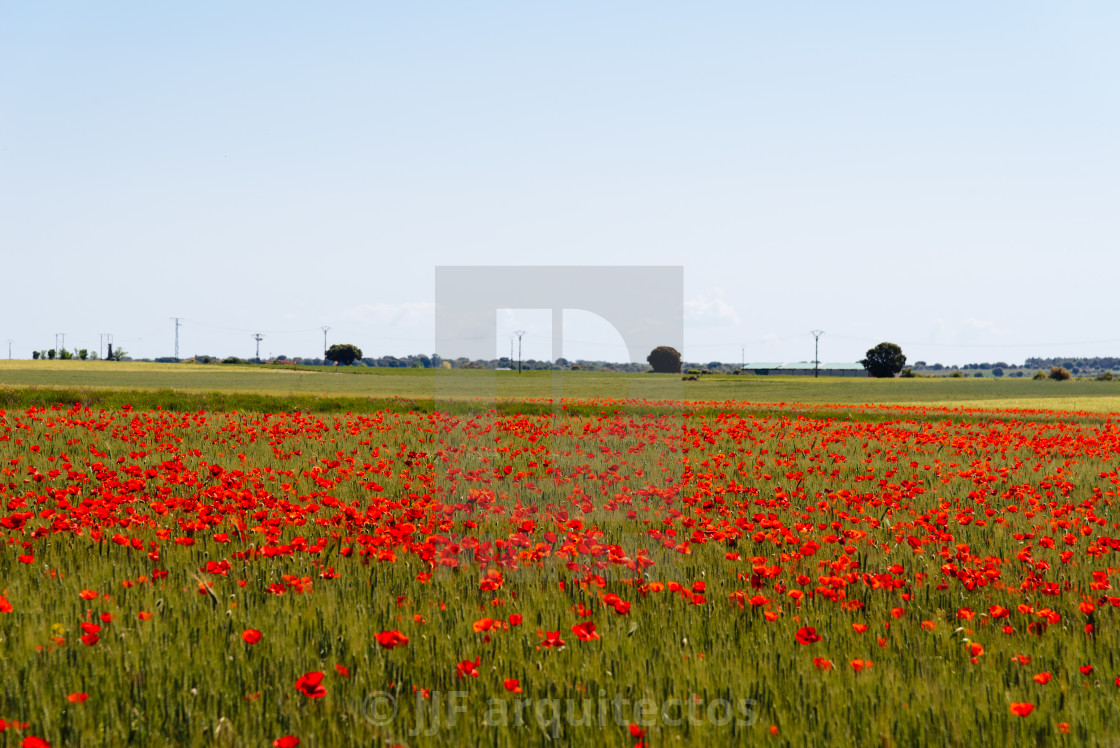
{"x": 596, "y": 575}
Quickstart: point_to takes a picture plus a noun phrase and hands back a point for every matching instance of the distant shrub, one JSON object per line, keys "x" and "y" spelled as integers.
{"x": 997, "y": 372}
{"x": 1039, "y": 375}
{"x": 1059, "y": 373}
{"x": 233, "y": 360}
{"x": 907, "y": 374}
{"x": 693, "y": 372}
{"x": 978, "y": 374}
{"x": 956, "y": 375}
{"x": 1106, "y": 377}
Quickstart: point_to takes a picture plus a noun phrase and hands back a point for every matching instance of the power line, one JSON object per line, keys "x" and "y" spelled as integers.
{"x": 178, "y": 322}
{"x": 518, "y": 333}
{"x": 816, "y": 351}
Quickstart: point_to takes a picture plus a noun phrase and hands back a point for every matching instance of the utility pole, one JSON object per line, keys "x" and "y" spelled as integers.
{"x": 325, "y": 328}
{"x": 511, "y": 351}
{"x": 9, "y": 349}
{"x": 816, "y": 351}
{"x": 518, "y": 333}
{"x": 178, "y": 321}
{"x": 258, "y": 337}
{"x": 57, "y": 350}
{"x": 101, "y": 343}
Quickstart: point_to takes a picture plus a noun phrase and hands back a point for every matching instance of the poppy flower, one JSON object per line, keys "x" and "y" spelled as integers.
{"x": 859, "y": 628}
{"x": 1086, "y": 669}
{"x": 87, "y": 595}
{"x": 860, "y": 665}
{"x": 468, "y": 668}
{"x": 585, "y": 631}
{"x": 32, "y": 741}
{"x": 144, "y": 616}
{"x": 342, "y": 670}
{"x": 288, "y": 741}
{"x": 391, "y": 639}
{"x": 515, "y": 619}
{"x": 551, "y": 639}
{"x": 1021, "y": 709}
{"x": 1063, "y": 727}
{"x": 482, "y": 624}
{"x": 637, "y": 732}
{"x": 311, "y": 685}
{"x": 822, "y": 663}
{"x": 77, "y": 698}
{"x": 1042, "y": 678}
{"x": 807, "y": 635}
{"x": 251, "y": 636}
{"x": 513, "y": 685}
{"x": 5, "y": 606}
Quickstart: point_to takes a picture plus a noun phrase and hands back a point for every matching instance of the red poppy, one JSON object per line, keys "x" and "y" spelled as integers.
{"x": 342, "y": 670}
{"x": 33, "y": 742}
{"x": 637, "y": 732}
{"x": 585, "y": 631}
{"x": 391, "y": 639}
{"x": 822, "y": 663}
{"x": 251, "y": 636}
{"x": 859, "y": 628}
{"x": 807, "y": 635}
{"x": 1021, "y": 709}
{"x": 513, "y": 685}
{"x": 288, "y": 741}
{"x": 311, "y": 685}
{"x": 515, "y": 619}
{"x": 482, "y": 624}
{"x": 1042, "y": 678}
{"x": 551, "y": 639}
{"x": 87, "y": 595}
{"x": 860, "y": 665}
{"x": 468, "y": 667}
{"x": 1086, "y": 669}
{"x": 77, "y": 698}
{"x": 5, "y": 606}
{"x": 144, "y": 616}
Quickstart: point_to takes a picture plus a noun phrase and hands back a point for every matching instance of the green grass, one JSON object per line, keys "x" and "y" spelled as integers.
{"x": 316, "y": 383}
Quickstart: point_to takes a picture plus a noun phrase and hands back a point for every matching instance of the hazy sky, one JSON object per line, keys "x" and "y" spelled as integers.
{"x": 942, "y": 175}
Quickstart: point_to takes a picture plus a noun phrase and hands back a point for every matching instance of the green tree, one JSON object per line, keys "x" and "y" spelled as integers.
{"x": 665, "y": 360}
{"x": 1059, "y": 373}
{"x": 884, "y": 360}
{"x": 344, "y": 353}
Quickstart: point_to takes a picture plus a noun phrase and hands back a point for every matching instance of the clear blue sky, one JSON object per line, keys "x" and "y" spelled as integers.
{"x": 942, "y": 175}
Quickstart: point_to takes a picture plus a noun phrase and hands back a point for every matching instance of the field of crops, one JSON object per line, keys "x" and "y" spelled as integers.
{"x": 589, "y": 576}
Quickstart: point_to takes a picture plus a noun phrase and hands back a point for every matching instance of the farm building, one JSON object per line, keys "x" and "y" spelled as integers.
{"x": 806, "y": 368}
